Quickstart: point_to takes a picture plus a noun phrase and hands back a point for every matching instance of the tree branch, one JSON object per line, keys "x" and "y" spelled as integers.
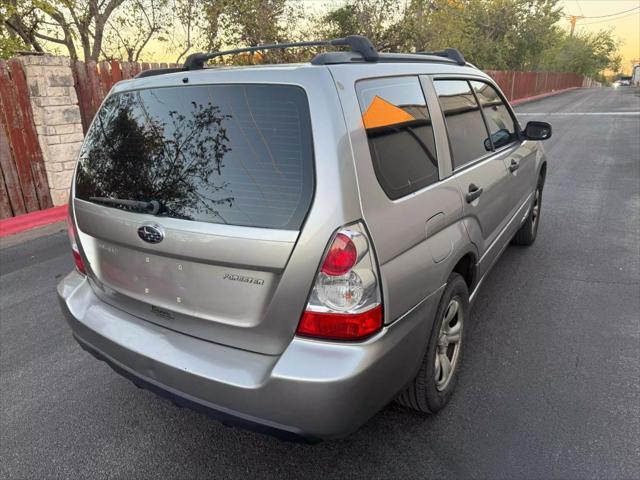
{"x": 50, "y": 39}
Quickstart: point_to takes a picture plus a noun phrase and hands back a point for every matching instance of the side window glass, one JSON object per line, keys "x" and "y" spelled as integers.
{"x": 465, "y": 126}
{"x": 398, "y": 126}
{"x": 499, "y": 121}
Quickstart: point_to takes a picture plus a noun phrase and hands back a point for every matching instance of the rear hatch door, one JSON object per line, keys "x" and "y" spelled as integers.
{"x": 189, "y": 201}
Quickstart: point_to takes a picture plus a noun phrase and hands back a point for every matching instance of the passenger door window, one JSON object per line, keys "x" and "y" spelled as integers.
{"x": 400, "y": 135}
{"x": 467, "y": 132}
{"x": 499, "y": 121}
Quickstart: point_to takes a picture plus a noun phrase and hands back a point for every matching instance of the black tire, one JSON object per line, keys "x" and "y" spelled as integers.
{"x": 529, "y": 229}
{"x": 424, "y": 395}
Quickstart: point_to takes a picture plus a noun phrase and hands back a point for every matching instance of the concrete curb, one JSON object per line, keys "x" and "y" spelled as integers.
{"x": 29, "y": 221}
{"x": 533, "y": 98}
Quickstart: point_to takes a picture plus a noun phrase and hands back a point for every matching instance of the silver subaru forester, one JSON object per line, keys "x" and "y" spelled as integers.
{"x": 291, "y": 247}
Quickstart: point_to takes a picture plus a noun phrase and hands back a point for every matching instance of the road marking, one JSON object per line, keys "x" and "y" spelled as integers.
{"x": 568, "y": 114}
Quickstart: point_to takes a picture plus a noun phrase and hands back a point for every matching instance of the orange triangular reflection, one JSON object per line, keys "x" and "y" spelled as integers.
{"x": 381, "y": 113}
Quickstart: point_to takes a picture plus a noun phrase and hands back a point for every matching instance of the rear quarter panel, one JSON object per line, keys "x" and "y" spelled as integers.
{"x": 418, "y": 238}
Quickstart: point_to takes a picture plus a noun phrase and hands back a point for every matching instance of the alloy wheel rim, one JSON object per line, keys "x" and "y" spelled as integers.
{"x": 449, "y": 344}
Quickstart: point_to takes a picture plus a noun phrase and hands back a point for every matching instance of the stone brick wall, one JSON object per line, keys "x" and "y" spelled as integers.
{"x": 57, "y": 118}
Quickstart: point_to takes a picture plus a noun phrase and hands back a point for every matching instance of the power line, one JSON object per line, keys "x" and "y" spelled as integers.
{"x": 611, "y": 20}
{"x": 605, "y": 16}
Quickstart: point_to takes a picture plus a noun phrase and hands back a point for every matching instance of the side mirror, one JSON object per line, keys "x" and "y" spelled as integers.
{"x": 537, "y": 131}
{"x": 499, "y": 139}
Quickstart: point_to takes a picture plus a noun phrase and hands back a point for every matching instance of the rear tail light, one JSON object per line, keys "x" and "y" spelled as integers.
{"x": 345, "y": 302}
{"x": 75, "y": 251}
{"x": 341, "y": 257}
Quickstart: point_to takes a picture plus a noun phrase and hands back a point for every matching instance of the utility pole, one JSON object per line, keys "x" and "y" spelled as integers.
{"x": 573, "y": 19}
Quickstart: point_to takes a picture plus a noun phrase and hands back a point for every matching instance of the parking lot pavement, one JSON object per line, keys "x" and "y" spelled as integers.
{"x": 550, "y": 384}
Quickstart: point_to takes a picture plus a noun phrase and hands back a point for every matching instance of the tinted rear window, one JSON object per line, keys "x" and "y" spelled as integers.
{"x": 398, "y": 126}
{"x": 232, "y": 154}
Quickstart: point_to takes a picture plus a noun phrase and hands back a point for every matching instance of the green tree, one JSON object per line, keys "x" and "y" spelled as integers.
{"x": 588, "y": 54}
{"x": 536, "y": 31}
{"x": 435, "y": 24}
{"x": 17, "y": 28}
{"x": 9, "y": 44}
{"x": 379, "y": 20}
{"x": 497, "y": 34}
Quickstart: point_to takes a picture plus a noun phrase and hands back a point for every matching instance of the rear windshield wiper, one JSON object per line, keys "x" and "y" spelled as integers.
{"x": 152, "y": 207}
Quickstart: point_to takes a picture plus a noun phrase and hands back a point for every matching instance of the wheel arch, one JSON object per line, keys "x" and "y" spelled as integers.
{"x": 466, "y": 266}
{"x": 542, "y": 172}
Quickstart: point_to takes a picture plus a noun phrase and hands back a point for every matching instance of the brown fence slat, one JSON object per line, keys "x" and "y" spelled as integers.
{"x": 95, "y": 88}
{"x": 8, "y": 167}
{"x": 135, "y": 69}
{"x": 116, "y": 72}
{"x": 5, "y": 206}
{"x": 105, "y": 77}
{"x": 126, "y": 70}
{"x": 14, "y": 122}
{"x": 34, "y": 154}
{"x": 82, "y": 91}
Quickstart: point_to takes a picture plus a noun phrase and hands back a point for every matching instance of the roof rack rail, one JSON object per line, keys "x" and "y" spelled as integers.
{"x": 158, "y": 71}
{"x": 450, "y": 53}
{"x": 358, "y": 44}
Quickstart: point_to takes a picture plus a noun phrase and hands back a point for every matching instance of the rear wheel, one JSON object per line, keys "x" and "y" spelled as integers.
{"x": 529, "y": 229}
{"x": 432, "y": 388}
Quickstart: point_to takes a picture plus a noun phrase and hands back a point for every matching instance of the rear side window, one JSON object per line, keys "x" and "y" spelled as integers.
{"x": 499, "y": 121}
{"x": 466, "y": 129}
{"x": 231, "y": 154}
{"x": 398, "y": 126}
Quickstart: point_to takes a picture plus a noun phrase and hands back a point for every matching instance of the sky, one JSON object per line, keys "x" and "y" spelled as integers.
{"x": 626, "y": 26}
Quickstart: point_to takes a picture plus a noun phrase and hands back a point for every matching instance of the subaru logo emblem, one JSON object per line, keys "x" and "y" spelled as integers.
{"x": 150, "y": 233}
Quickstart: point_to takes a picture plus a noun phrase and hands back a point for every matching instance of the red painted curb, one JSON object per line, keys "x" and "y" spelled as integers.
{"x": 29, "y": 221}
{"x": 542, "y": 95}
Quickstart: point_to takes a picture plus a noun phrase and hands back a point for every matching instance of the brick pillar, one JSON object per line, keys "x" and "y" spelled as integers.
{"x": 57, "y": 118}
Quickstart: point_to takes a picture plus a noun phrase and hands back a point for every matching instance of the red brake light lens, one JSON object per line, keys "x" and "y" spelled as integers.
{"x": 341, "y": 257}
{"x": 341, "y": 326}
{"x": 74, "y": 247}
{"x": 78, "y": 260}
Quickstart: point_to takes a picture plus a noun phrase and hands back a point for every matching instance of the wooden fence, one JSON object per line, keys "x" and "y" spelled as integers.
{"x": 517, "y": 85}
{"x": 94, "y": 80}
{"x": 23, "y": 179}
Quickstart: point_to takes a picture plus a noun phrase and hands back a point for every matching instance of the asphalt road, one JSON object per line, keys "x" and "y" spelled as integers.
{"x": 550, "y": 385}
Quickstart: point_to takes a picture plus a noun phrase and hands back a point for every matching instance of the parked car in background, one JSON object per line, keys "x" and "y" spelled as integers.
{"x": 291, "y": 247}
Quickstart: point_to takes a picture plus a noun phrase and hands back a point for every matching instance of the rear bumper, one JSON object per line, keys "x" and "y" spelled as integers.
{"x": 313, "y": 390}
